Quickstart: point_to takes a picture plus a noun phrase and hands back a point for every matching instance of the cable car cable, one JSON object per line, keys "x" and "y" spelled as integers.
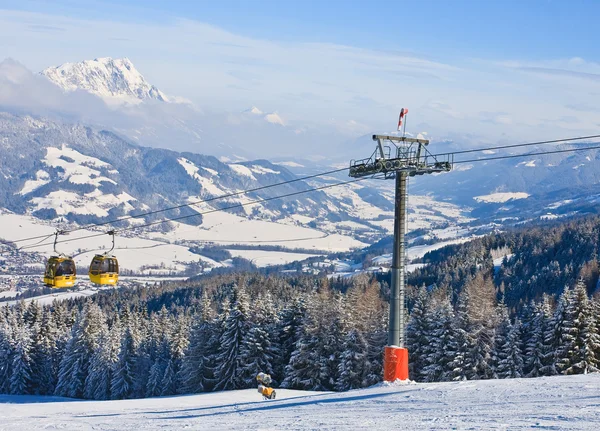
{"x": 239, "y": 205}
{"x": 243, "y": 192}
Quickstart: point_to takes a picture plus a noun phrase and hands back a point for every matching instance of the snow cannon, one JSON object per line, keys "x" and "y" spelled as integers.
{"x": 395, "y": 364}
{"x": 264, "y": 378}
{"x": 268, "y": 393}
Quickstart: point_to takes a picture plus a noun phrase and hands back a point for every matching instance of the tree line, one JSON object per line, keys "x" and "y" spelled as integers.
{"x": 218, "y": 334}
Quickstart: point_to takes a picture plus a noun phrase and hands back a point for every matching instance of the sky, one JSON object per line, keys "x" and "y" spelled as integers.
{"x": 471, "y": 71}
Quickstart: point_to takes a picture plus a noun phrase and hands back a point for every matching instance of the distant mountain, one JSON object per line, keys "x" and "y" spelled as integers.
{"x": 530, "y": 186}
{"x": 82, "y": 174}
{"x": 112, "y": 79}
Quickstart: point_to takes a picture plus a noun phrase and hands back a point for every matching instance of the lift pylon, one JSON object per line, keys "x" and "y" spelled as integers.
{"x": 399, "y": 157}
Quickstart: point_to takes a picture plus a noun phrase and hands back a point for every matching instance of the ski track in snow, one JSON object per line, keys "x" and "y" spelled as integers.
{"x": 564, "y": 403}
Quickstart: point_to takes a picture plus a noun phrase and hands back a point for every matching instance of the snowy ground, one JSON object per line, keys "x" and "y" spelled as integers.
{"x": 558, "y": 403}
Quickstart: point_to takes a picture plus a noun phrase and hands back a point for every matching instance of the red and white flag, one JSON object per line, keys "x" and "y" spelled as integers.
{"x": 403, "y": 112}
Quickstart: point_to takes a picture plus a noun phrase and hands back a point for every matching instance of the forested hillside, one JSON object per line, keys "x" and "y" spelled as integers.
{"x": 540, "y": 259}
{"x": 219, "y": 332}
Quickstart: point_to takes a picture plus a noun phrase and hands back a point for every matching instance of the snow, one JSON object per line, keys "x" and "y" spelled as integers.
{"x": 80, "y": 169}
{"x": 208, "y": 185}
{"x": 501, "y": 197}
{"x": 133, "y": 253}
{"x": 242, "y": 170}
{"x": 115, "y": 80}
{"x": 419, "y": 251}
{"x": 262, "y": 258}
{"x": 95, "y": 202}
{"x": 41, "y": 178}
{"x": 562, "y": 402}
{"x": 529, "y": 164}
{"x": 225, "y": 228}
{"x": 555, "y": 205}
{"x": 59, "y": 295}
{"x": 289, "y": 164}
{"x": 262, "y": 170}
{"x": 498, "y": 261}
{"x": 211, "y": 171}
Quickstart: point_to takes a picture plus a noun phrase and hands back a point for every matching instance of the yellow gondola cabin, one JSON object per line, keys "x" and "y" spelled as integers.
{"x": 60, "y": 272}
{"x": 104, "y": 270}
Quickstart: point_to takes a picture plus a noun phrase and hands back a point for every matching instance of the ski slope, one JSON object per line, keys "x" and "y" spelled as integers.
{"x": 558, "y": 403}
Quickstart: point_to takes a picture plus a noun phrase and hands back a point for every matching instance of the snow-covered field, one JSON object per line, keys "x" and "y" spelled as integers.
{"x": 557, "y": 403}
{"x": 501, "y": 197}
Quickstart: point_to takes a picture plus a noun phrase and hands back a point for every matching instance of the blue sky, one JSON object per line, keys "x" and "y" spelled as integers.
{"x": 472, "y": 70}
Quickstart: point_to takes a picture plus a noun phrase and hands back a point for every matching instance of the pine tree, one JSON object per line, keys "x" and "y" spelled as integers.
{"x": 98, "y": 381}
{"x": 256, "y": 355}
{"x": 509, "y": 357}
{"x": 5, "y": 357}
{"x": 303, "y": 370}
{"x": 462, "y": 365}
{"x": 229, "y": 359}
{"x": 416, "y": 333}
{"x": 536, "y": 349}
{"x": 353, "y": 364}
{"x": 157, "y": 370}
{"x": 442, "y": 346}
{"x": 194, "y": 367}
{"x": 121, "y": 384}
{"x": 86, "y": 334}
{"x": 21, "y": 375}
{"x": 289, "y": 328}
{"x": 570, "y": 355}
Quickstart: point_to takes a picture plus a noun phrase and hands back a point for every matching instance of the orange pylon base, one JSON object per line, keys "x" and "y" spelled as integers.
{"x": 395, "y": 364}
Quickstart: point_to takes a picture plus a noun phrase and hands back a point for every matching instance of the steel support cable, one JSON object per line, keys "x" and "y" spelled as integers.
{"x": 541, "y": 153}
{"x": 239, "y": 205}
{"x": 243, "y": 192}
{"x": 527, "y": 144}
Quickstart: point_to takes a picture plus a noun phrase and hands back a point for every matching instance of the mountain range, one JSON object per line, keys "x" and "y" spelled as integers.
{"x": 58, "y": 163}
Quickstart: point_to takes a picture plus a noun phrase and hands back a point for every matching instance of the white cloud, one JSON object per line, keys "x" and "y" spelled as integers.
{"x": 274, "y": 118}
{"x": 309, "y": 83}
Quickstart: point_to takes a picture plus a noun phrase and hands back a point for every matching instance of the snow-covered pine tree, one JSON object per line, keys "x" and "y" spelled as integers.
{"x": 258, "y": 354}
{"x": 121, "y": 384}
{"x": 569, "y": 353}
{"x": 442, "y": 345}
{"x": 42, "y": 354}
{"x": 97, "y": 383}
{"x": 579, "y": 336}
{"x": 590, "y": 340}
{"x": 5, "y": 356}
{"x": 303, "y": 370}
{"x": 376, "y": 337}
{"x": 417, "y": 332}
{"x": 21, "y": 367}
{"x": 353, "y": 364}
{"x": 536, "y": 350}
{"x": 331, "y": 333}
{"x": 196, "y": 369}
{"x": 462, "y": 366}
{"x": 288, "y": 329}
{"x": 158, "y": 369}
{"x": 85, "y": 338}
{"x": 508, "y": 361}
{"x": 236, "y": 327}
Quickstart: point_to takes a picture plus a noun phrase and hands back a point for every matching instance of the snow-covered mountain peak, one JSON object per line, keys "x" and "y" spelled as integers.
{"x": 111, "y": 79}
{"x": 254, "y": 110}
